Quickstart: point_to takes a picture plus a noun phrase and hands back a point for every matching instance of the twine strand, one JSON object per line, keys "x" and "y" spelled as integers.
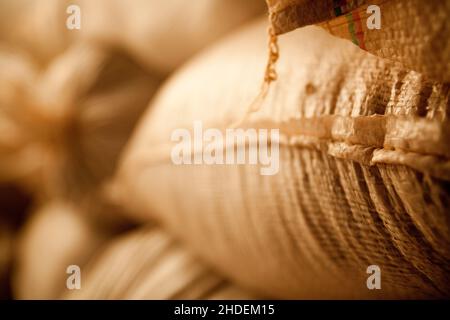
{"x": 270, "y": 74}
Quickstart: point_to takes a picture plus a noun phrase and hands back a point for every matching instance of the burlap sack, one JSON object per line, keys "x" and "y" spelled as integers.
{"x": 67, "y": 108}
{"x": 57, "y": 235}
{"x": 163, "y": 34}
{"x": 413, "y": 32}
{"x": 64, "y": 126}
{"x": 363, "y": 176}
{"x": 160, "y": 34}
{"x": 147, "y": 263}
{"x": 38, "y": 27}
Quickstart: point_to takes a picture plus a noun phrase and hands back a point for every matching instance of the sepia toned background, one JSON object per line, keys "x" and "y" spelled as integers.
{"x": 86, "y": 179}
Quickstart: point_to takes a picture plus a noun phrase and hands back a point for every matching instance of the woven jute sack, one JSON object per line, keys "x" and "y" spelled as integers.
{"x": 163, "y": 34}
{"x": 363, "y": 175}
{"x": 56, "y": 236}
{"x": 147, "y": 263}
{"x": 411, "y": 32}
{"x": 64, "y": 125}
{"x": 60, "y": 234}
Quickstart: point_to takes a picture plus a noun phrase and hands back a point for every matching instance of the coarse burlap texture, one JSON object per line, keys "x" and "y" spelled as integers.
{"x": 147, "y": 263}
{"x": 414, "y": 33}
{"x": 364, "y": 170}
{"x": 287, "y": 15}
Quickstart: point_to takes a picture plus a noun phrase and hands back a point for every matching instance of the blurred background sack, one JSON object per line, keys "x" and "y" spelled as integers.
{"x": 59, "y": 234}
{"x": 70, "y": 99}
{"x": 163, "y": 34}
{"x": 63, "y": 128}
{"x": 147, "y": 263}
{"x": 159, "y": 34}
{"x": 54, "y": 237}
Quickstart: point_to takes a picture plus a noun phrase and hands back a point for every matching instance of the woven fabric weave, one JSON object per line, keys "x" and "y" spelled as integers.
{"x": 364, "y": 170}
{"x": 413, "y": 32}
{"x": 287, "y": 15}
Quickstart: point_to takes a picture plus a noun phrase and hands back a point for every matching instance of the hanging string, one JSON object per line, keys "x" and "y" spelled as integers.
{"x": 270, "y": 75}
